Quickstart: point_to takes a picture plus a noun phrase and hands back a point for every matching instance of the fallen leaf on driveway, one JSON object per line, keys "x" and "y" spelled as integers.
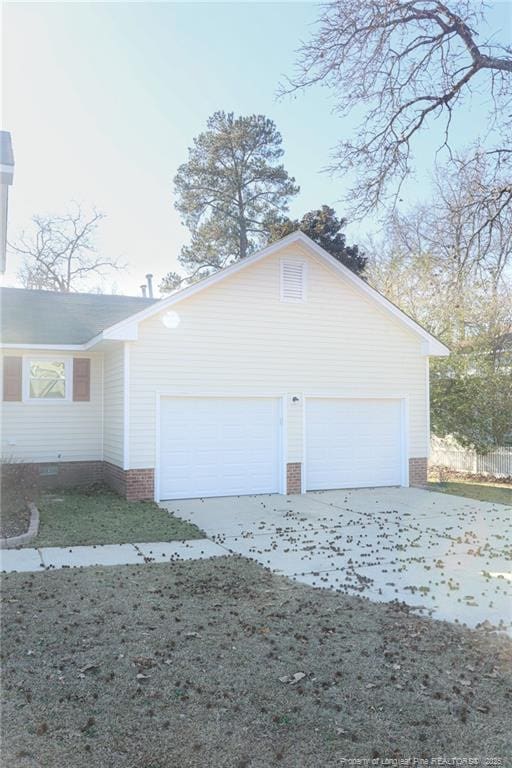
{"x": 144, "y": 661}
{"x": 293, "y": 679}
{"x": 89, "y": 667}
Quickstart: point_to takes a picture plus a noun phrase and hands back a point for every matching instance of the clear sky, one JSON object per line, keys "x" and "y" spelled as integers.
{"x": 103, "y": 99}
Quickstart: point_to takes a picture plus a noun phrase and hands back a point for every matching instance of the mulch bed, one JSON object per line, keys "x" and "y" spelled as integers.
{"x": 19, "y": 485}
{"x": 14, "y": 520}
{"x": 220, "y": 663}
{"x": 436, "y": 472}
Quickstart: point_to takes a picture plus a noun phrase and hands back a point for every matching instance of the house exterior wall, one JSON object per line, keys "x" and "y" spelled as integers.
{"x": 52, "y": 432}
{"x": 238, "y": 337}
{"x": 113, "y": 409}
{"x": 235, "y": 338}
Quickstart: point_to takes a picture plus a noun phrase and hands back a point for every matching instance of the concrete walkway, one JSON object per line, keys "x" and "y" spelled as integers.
{"x": 108, "y": 554}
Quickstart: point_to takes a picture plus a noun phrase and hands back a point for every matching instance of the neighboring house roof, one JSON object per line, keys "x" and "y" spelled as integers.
{"x": 126, "y": 326}
{"x": 48, "y": 317}
{"x": 6, "y": 158}
{"x": 6, "y": 177}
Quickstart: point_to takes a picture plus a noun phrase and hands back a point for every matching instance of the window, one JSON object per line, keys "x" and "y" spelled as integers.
{"x": 293, "y": 281}
{"x": 47, "y": 379}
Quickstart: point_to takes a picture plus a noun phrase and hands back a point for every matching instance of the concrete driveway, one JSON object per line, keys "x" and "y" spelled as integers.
{"x": 447, "y": 556}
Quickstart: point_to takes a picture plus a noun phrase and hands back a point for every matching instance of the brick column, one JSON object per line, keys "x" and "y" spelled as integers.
{"x": 133, "y": 484}
{"x": 418, "y": 470}
{"x": 293, "y": 477}
{"x": 140, "y": 484}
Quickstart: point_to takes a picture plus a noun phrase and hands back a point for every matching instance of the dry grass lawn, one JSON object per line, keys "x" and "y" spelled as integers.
{"x": 179, "y": 665}
{"x": 100, "y": 516}
{"x": 489, "y": 492}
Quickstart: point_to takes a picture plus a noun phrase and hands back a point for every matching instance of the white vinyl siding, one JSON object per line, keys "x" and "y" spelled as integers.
{"x": 51, "y": 431}
{"x": 239, "y": 337}
{"x": 113, "y": 429}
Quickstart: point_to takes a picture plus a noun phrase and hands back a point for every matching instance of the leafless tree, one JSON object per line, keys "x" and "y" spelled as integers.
{"x": 438, "y": 263}
{"x": 407, "y": 65}
{"x": 468, "y": 238}
{"x": 59, "y": 252}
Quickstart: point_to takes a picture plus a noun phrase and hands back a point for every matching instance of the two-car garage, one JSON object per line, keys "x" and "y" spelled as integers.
{"x": 225, "y": 446}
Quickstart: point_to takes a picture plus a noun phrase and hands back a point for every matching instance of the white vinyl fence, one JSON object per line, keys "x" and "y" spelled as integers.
{"x": 497, "y": 462}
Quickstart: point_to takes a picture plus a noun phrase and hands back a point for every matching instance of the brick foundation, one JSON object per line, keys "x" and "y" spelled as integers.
{"x": 139, "y": 484}
{"x": 418, "y": 469}
{"x": 67, "y": 474}
{"x": 294, "y": 477}
{"x": 133, "y": 484}
{"x": 115, "y": 478}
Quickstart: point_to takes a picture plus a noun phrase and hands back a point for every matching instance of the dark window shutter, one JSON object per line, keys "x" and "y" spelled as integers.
{"x": 12, "y": 378}
{"x": 81, "y": 379}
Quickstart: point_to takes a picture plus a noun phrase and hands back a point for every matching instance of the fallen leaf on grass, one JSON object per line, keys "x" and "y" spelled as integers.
{"x": 140, "y": 676}
{"x": 90, "y": 722}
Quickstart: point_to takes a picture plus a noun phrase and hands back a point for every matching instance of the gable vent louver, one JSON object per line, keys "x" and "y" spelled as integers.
{"x": 293, "y": 281}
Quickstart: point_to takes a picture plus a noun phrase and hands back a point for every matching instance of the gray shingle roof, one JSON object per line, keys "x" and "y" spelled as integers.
{"x": 45, "y": 317}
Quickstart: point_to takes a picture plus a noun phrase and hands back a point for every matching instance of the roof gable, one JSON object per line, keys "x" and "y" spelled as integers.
{"x": 432, "y": 346}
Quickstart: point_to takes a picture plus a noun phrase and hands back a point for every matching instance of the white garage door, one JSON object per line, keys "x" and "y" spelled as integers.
{"x": 219, "y": 446}
{"x": 353, "y": 443}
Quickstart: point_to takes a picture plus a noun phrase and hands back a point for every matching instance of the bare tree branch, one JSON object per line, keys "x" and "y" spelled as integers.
{"x": 60, "y": 251}
{"x": 406, "y": 63}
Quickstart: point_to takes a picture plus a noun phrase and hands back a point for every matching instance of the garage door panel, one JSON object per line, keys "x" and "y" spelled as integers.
{"x": 219, "y": 446}
{"x": 353, "y": 443}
